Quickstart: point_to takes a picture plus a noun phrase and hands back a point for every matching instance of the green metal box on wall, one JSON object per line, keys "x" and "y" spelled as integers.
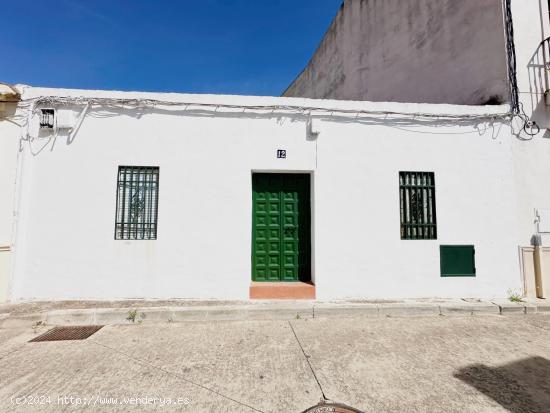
{"x": 457, "y": 260}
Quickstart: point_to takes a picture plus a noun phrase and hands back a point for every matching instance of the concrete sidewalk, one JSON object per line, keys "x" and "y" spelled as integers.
{"x": 484, "y": 363}
{"x": 161, "y": 311}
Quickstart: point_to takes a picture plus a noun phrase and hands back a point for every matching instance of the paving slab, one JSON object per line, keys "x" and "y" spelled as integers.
{"x": 70, "y": 317}
{"x": 408, "y": 309}
{"x": 11, "y": 339}
{"x": 427, "y": 364}
{"x": 332, "y": 309}
{"x": 530, "y": 308}
{"x": 536, "y": 305}
{"x": 269, "y": 310}
{"x": 543, "y": 307}
{"x": 229, "y": 357}
{"x": 85, "y": 376}
{"x": 23, "y": 320}
{"x": 540, "y": 320}
{"x": 508, "y": 307}
{"x": 468, "y": 307}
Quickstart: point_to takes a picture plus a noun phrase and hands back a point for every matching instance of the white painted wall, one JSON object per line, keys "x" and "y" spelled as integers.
{"x": 9, "y": 133}
{"x": 532, "y": 169}
{"x": 361, "y": 253}
{"x": 65, "y": 245}
{"x": 488, "y": 182}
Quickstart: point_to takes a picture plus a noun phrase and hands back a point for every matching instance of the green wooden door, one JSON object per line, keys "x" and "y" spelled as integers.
{"x": 280, "y": 227}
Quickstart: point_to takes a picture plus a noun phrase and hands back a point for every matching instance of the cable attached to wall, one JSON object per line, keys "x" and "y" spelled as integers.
{"x": 95, "y": 106}
{"x": 511, "y": 54}
{"x": 135, "y": 103}
{"x": 529, "y": 126}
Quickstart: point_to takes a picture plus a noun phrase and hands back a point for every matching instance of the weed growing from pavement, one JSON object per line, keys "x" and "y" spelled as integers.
{"x": 514, "y": 296}
{"x": 132, "y": 314}
{"x": 38, "y": 324}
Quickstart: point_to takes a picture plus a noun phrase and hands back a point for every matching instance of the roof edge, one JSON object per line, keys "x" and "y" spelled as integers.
{"x": 29, "y": 92}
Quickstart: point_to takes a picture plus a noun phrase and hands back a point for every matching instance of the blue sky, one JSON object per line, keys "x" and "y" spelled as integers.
{"x": 253, "y": 47}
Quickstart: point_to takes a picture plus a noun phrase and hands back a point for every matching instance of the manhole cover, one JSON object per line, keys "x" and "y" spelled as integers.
{"x": 67, "y": 333}
{"x": 331, "y": 408}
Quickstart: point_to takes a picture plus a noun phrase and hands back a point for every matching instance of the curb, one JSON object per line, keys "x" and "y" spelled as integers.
{"x": 269, "y": 311}
{"x": 511, "y": 308}
{"x": 470, "y": 308}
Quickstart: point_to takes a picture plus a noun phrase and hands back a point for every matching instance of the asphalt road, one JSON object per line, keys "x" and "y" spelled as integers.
{"x": 423, "y": 364}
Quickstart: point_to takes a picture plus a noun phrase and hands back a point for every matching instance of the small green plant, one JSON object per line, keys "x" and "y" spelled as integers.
{"x": 38, "y": 324}
{"x": 132, "y": 314}
{"x": 297, "y": 316}
{"x": 515, "y": 296}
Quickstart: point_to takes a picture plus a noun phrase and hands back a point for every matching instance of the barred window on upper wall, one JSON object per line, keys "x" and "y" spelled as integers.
{"x": 417, "y": 205}
{"x": 137, "y": 203}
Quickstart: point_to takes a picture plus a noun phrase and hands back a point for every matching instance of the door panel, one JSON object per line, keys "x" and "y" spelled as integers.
{"x": 274, "y": 236}
{"x": 290, "y": 234}
{"x": 281, "y": 227}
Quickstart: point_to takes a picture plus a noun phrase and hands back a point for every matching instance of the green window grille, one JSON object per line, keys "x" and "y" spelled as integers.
{"x": 457, "y": 260}
{"x": 137, "y": 203}
{"x": 417, "y": 205}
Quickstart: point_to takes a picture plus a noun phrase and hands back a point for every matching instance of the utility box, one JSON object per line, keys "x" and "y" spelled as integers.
{"x": 528, "y": 264}
{"x": 65, "y": 119}
{"x": 543, "y": 221}
{"x": 457, "y": 260}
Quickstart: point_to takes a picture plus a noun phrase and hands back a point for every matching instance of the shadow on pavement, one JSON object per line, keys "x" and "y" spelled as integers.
{"x": 521, "y": 387}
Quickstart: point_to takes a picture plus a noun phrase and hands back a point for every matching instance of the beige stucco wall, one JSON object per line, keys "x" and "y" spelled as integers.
{"x": 528, "y": 269}
{"x": 5, "y": 270}
{"x": 426, "y": 51}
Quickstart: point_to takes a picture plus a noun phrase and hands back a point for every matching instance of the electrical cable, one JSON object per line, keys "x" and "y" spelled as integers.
{"x": 394, "y": 119}
{"x": 511, "y": 54}
{"x": 530, "y": 127}
{"x": 304, "y": 110}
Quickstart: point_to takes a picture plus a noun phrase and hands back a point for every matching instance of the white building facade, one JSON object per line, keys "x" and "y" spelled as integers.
{"x": 206, "y": 157}
{"x": 147, "y": 195}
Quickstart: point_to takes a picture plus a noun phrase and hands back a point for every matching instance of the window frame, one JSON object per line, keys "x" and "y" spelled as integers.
{"x": 429, "y": 209}
{"x": 148, "y": 228}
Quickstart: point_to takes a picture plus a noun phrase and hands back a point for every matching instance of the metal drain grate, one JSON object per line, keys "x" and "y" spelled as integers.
{"x": 67, "y": 333}
{"x": 324, "y": 407}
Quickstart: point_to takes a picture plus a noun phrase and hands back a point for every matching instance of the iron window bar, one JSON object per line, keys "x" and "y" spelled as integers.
{"x": 47, "y": 118}
{"x": 417, "y": 205}
{"x": 137, "y": 203}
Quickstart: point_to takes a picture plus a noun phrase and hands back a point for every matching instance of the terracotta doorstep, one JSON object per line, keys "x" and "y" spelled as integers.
{"x": 282, "y": 290}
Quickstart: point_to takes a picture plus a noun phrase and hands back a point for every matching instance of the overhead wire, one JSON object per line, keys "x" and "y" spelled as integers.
{"x": 517, "y": 111}
{"x": 528, "y": 126}
{"x": 137, "y": 103}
